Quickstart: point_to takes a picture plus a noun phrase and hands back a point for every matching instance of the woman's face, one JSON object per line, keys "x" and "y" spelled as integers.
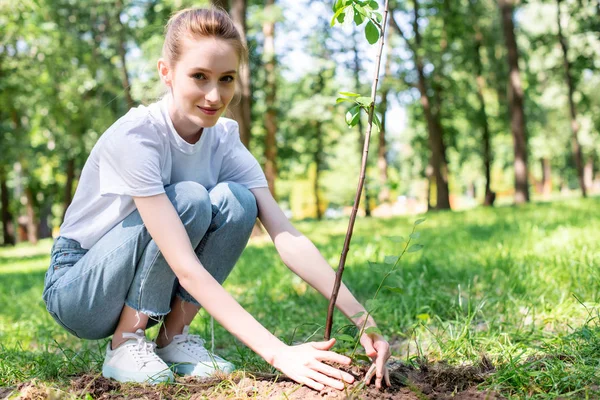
{"x": 202, "y": 83}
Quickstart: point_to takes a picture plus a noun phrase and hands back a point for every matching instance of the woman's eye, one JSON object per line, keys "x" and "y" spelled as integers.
{"x": 198, "y": 76}
{"x": 227, "y": 78}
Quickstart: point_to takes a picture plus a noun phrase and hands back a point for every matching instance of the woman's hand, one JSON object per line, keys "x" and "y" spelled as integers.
{"x": 378, "y": 349}
{"x": 304, "y": 364}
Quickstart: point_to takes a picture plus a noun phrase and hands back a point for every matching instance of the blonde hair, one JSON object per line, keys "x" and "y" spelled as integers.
{"x": 198, "y": 23}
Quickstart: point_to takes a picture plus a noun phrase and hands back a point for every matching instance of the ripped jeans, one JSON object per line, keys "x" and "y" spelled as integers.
{"x": 85, "y": 290}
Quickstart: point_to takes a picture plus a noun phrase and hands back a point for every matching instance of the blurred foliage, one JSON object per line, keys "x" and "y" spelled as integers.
{"x": 61, "y": 87}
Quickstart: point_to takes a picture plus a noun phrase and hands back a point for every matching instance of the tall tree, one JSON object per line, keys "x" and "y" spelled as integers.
{"x": 576, "y": 147}
{"x": 271, "y": 90}
{"x": 483, "y": 118}
{"x": 224, "y": 4}
{"x": 122, "y": 51}
{"x": 242, "y": 110}
{"x": 356, "y": 67}
{"x": 382, "y": 162}
{"x": 7, "y": 219}
{"x": 434, "y": 126}
{"x": 516, "y": 103}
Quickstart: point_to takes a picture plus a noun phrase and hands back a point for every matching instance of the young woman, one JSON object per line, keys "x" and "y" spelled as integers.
{"x": 164, "y": 208}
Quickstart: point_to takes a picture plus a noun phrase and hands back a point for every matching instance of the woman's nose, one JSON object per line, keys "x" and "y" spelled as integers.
{"x": 212, "y": 94}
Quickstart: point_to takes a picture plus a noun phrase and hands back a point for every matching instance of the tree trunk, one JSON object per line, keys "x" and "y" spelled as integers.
{"x": 573, "y": 111}
{"x": 270, "y": 89}
{"x": 486, "y": 152}
{"x": 223, "y": 4}
{"x": 44, "y": 229}
{"x": 382, "y": 163}
{"x": 546, "y": 177}
{"x": 434, "y": 127}
{"x": 361, "y": 134}
{"x": 122, "y": 52}
{"x": 318, "y": 161}
{"x": 69, "y": 185}
{"x": 242, "y": 110}
{"x": 32, "y": 225}
{"x": 429, "y": 176}
{"x": 588, "y": 173}
{"x": 7, "y": 220}
{"x": 515, "y": 98}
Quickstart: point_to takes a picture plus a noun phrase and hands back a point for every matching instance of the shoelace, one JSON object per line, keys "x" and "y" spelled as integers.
{"x": 195, "y": 345}
{"x": 143, "y": 350}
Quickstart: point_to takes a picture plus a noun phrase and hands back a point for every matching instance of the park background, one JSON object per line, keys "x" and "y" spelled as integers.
{"x": 489, "y": 110}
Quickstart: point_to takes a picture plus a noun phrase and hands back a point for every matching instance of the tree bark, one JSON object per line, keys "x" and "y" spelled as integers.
{"x": 223, "y": 4}
{"x": 588, "y": 172}
{"x": 7, "y": 220}
{"x": 121, "y": 47}
{"x": 576, "y": 147}
{"x": 361, "y": 134}
{"x": 382, "y": 163}
{"x": 434, "y": 126}
{"x": 318, "y": 161}
{"x": 270, "y": 89}
{"x": 242, "y": 110}
{"x": 69, "y": 185}
{"x": 546, "y": 177}
{"x": 32, "y": 224}
{"x": 486, "y": 152}
{"x": 515, "y": 98}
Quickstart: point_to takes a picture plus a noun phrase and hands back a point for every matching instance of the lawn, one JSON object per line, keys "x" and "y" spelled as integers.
{"x": 518, "y": 285}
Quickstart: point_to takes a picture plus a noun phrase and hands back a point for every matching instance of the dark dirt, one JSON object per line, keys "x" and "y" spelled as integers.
{"x": 427, "y": 381}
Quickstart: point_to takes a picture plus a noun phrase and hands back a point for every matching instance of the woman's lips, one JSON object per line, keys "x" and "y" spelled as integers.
{"x": 209, "y": 111}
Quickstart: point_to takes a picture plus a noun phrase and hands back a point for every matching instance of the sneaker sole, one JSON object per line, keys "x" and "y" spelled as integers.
{"x": 139, "y": 377}
{"x": 192, "y": 369}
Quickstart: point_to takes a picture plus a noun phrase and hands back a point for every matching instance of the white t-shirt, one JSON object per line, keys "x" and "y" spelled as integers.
{"x": 140, "y": 154}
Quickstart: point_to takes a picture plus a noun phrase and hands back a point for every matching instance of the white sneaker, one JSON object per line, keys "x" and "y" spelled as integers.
{"x": 187, "y": 355}
{"x": 136, "y": 361}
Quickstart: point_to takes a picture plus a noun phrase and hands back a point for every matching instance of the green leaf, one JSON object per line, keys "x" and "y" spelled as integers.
{"x": 377, "y": 121}
{"x": 342, "y": 99}
{"x": 390, "y": 259}
{"x": 345, "y": 338}
{"x": 415, "y": 235}
{"x": 423, "y": 317}
{"x": 364, "y": 101}
{"x": 378, "y": 17}
{"x": 397, "y": 239}
{"x": 371, "y": 33}
{"x": 372, "y": 329}
{"x": 358, "y": 314}
{"x": 362, "y": 357}
{"x": 355, "y": 119}
{"x": 337, "y": 4}
{"x": 414, "y": 248}
{"x": 373, "y": 4}
{"x": 395, "y": 289}
{"x": 350, "y": 94}
{"x": 339, "y": 16}
{"x": 352, "y": 115}
{"x": 419, "y": 221}
{"x": 358, "y": 18}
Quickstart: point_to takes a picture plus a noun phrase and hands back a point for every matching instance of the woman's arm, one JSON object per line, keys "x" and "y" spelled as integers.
{"x": 301, "y": 363}
{"x": 304, "y": 259}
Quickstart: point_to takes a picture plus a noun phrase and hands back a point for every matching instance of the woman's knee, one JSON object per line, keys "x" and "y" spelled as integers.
{"x": 192, "y": 202}
{"x": 241, "y": 203}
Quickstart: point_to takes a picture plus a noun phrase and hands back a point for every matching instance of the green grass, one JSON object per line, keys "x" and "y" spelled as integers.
{"x": 519, "y": 284}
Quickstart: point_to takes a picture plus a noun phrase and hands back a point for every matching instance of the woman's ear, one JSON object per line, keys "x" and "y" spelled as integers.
{"x": 164, "y": 72}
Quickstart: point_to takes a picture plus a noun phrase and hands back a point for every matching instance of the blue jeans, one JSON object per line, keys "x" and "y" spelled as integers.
{"x": 85, "y": 290}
